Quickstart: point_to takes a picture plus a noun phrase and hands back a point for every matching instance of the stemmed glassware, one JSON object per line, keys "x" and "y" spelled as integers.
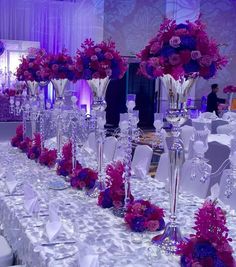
{"x": 158, "y": 124}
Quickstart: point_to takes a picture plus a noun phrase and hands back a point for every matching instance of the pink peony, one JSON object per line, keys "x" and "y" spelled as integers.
{"x": 205, "y": 61}
{"x": 175, "y": 41}
{"x": 94, "y": 58}
{"x": 97, "y": 49}
{"x": 174, "y": 59}
{"x": 155, "y": 48}
{"x": 195, "y": 54}
{"x": 153, "y": 225}
{"x": 137, "y": 208}
{"x": 108, "y": 55}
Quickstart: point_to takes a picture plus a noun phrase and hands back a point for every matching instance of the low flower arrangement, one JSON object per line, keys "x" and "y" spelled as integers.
{"x": 48, "y": 157}
{"x": 209, "y": 246}
{"x": 85, "y": 178}
{"x": 64, "y": 166}
{"x": 25, "y": 145}
{"x": 18, "y": 138}
{"x": 114, "y": 194}
{"x": 181, "y": 50}
{"x": 30, "y": 68}
{"x": 229, "y": 89}
{"x": 98, "y": 61}
{"x": 34, "y": 149}
{"x": 143, "y": 216}
{"x": 59, "y": 66}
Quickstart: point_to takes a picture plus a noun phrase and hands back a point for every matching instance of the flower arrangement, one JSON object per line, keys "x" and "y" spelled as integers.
{"x": 18, "y": 138}
{"x": 25, "y": 145}
{"x": 48, "y": 157}
{"x": 98, "y": 61}
{"x": 34, "y": 150}
{"x": 209, "y": 246}
{"x": 114, "y": 194}
{"x": 30, "y": 68}
{"x": 229, "y": 89}
{"x": 59, "y": 66}
{"x": 141, "y": 215}
{"x": 181, "y": 50}
{"x": 84, "y": 178}
{"x": 64, "y": 167}
{"x": 2, "y": 48}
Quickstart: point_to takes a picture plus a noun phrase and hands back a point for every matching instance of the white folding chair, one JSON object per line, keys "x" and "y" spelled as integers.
{"x": 142, "y": 158}
{"x": 109, "y": 148}
{"x": 162, "y": 173}
{"x": 6, "y": 254}
{"x": 231, "y": 201}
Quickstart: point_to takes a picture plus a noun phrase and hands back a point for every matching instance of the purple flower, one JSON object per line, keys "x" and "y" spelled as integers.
{"x": 191, "y": 66}
{"x": 188, "y": 42}
{"x": 204, "y": 250}
{"x": 167, "y": 51}
{"x": 138, "y": 224}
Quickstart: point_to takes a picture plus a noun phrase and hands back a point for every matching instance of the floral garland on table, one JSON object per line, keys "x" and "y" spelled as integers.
{"x": 18, "y": 138}
{"x": 64, "y": 166}
{"x": 229, "y": 89}
{"x": 98, "y": 61}
{"x": 25, "y": 145}
{"x": 141, "y": 215}
{"x": 209, "y": 246}
{"x": 48, "y": 157}
{"x": 59, "y": 66}
{"x": 181, "y": 50}
{"x": 84, "y": 178}
{"x": 34, "y": 148}
{"x": 31, "y": 68}
{"x": 114, "y": 194}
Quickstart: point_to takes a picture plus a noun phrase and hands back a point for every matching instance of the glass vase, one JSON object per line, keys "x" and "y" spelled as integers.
{"x": 99, "y": 88}
{"x": 176, "y": 115}
{"x": 33, "y": 89}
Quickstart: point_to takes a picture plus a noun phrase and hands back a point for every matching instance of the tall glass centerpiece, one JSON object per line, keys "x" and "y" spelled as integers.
{"x": 178, "y": 54}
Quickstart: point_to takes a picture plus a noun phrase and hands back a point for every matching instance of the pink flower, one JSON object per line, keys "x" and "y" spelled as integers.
{"x": 137, "y": 208}
{"x": 153, "y": 225}
{"x": 94, "y": 58}
{"x": 155, "y": 48}
{"x": 175, "y": 41}
{"x": 108, "y": 55}
{"x": 196, "y": 264}
{"x": 195, "y": 54}
{"x": 205, "y": 61}
{"x": 96, "y": 75}
{"x": 97, "y": 49}
{"x": 108, "y": 72}
{"x": 174, "y": 59}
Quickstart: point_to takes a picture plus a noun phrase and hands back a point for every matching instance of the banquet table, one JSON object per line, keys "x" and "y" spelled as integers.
{"x": 83, "y": 220}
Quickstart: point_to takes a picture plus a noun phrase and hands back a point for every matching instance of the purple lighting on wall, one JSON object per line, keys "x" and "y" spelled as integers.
{"x": 84, "y": 94}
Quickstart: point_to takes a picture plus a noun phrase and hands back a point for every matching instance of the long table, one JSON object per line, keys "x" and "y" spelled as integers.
{"x": 83, "y": 220}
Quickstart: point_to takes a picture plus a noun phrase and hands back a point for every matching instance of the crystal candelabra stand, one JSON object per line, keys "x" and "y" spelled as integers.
{"x": 176, "y": 115}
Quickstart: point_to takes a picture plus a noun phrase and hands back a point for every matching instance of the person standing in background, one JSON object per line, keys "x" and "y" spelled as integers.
{"x": 213, "y": 100}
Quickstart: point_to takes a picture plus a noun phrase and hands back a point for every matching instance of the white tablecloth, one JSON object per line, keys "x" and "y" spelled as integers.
{"x": 83, "y": 220}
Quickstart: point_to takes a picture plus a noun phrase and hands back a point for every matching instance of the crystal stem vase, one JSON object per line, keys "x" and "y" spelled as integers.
{"x": 59, "y": 86}
{"x": 176, "y": 115}
{"x": 99, "y": 88}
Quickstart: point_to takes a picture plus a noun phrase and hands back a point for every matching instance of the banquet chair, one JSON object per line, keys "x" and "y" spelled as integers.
{"x": 142, "y": 158}
{"x": 110, "y": 144}
{"x": 229, "y": 116}
{"x": 231, "y": 201}
{"x": 209, "y": 115}
{"x": 119, "y": 153}
{"x": 226, "y": 129}
{"x": 6, "y": 254}
{"x": 186, "y": 134}
{"x": 215, "y": 124}
{"x": 162, "y": 172}
{"x": 200, "y": 125}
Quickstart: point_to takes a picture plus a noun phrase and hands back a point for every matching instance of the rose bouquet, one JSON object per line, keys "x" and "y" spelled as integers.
{"x": 59, "y": 66}
{"x": 209, "y": 246}
{"x": 18, "y": 138}
{"x": 141, "y": 215}
{"x": 30, "y": 68}
{"x": 48, "y": 157}
{"x": 98, "y": 61}
{"x": 84, "y": 178}
{"x": 34, "y": 149}
{"x": 181, "y": 50}
{"x": 114, "y": 194}
{"x": 229, "y": 89}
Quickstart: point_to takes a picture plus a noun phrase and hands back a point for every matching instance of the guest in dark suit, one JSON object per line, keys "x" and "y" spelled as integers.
{"x": 213, "y": 100}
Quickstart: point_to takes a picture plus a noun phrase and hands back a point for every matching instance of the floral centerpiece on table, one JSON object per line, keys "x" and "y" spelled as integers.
{"x": 30, "y": 68}
{"x": 229, "y": 89}
{"x": 98, "y": 61}
{"x": 48, "y": 157}
{"x": 18, "y": 138}
{"x": 181, "y": 50}
{"x": 142, "y": 216}
{"x": 114, "y": 194}
{"x": 209, "y": 246}
{"x": 83, "y": 178}
{"x": 25, "y": 144}
{"x": 34, "y": 149}
{"x": 64, "y": 166}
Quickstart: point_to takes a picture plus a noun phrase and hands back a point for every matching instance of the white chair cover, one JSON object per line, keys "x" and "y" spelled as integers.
{"x": 231, "y": 201}
{"x": 194, "y": 186}
{"x": 200, "y": 125}
{"x": 162, "y": 173}
{"x": 229, "y": 116}
{"x": 186, "y": 134}
{"x": 6, "y": 254}
{"x": 209, "y": 115}
{"x": 91, "y": 142}
{"x": 226, "y": 129}
{"x": 109, "y": 148}
{"x": 215, "y": 124}
{"x": 142, "y": 158}
{"x": 119, "y": 153}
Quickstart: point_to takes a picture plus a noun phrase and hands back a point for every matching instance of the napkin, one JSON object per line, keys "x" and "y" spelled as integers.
{"x": 31, "y": 201}
{"x": 53, "y": 226}
{"x": 140, "y": 172}
{"x": 87, "y": 256}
